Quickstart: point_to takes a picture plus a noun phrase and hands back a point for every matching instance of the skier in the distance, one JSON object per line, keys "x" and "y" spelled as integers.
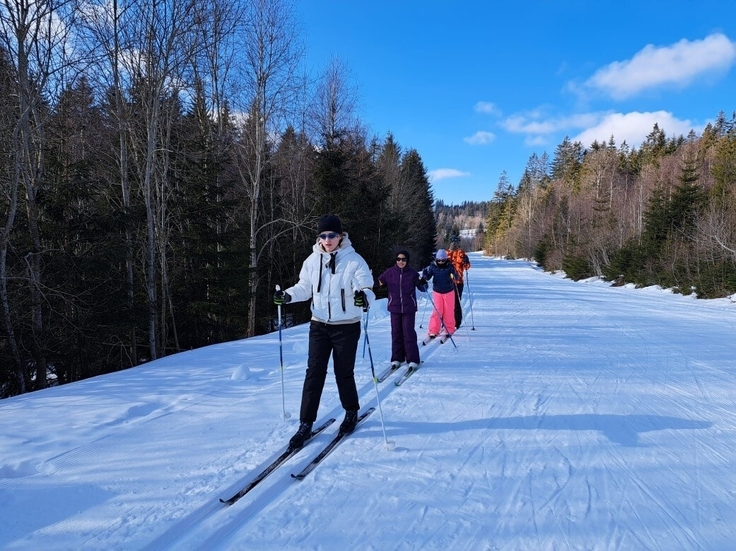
{"x": 338, "y": 282}
{"x": 443, "y": 274}
{"x": 461, "y": 262}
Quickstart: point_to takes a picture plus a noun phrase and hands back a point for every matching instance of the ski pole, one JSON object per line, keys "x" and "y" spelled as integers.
{"x": 284, "y": 413}
{"x": 459, "y": 302}
{"x": 388, "y": 444}
{"x": 364, "y": 342}
{"x": 442, "y": 320}
{"x": 470, "y": 294}
{"x": 424, "y": 313}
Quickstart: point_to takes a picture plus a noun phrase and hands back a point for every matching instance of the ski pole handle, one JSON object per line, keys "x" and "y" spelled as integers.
{"x": 359, "y": 290}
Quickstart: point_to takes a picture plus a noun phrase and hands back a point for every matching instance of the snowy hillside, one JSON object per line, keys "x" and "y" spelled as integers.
{"x": 570, "y": 416}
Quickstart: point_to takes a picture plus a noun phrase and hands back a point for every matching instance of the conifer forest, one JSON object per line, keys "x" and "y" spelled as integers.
{"x": 163, "y": 164}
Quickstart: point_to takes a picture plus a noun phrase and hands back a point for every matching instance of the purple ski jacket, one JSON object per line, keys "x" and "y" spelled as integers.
{"x": 401, "y": 283}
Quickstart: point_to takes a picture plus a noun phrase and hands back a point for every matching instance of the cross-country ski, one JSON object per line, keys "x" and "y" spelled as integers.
{"x": 330, "y": 446}
{"x": 276, "y": 463}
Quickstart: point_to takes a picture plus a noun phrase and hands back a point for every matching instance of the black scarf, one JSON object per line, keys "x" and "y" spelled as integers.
{"x": 330, "y": 265}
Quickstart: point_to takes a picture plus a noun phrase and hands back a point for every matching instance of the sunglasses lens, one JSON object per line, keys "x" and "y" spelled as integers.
{"x": 330, "y": 235}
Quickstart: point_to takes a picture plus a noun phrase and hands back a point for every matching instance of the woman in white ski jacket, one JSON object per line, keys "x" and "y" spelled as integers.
{"x": 338, "y": 282}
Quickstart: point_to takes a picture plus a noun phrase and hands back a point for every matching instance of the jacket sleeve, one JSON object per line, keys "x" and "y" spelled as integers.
{"x": 303, "y": 289}
{"x": 363, "y": 280}
{"x": 420, "y": 283}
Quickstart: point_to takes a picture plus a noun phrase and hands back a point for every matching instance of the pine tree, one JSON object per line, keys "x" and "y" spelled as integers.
{"x": 687, "y": 198}
{"x": 349, "y": 186}
{"x": 568, "y": 162}
{"x": 417, "y": 214}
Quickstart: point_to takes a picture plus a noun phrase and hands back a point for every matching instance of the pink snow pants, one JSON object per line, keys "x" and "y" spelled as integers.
{"x": 445, "y": 305}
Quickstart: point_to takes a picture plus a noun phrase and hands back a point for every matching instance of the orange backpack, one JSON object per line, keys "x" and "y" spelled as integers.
{"x": 460, "y": 261}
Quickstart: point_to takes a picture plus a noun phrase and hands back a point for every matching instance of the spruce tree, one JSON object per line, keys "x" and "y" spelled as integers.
{"x": 418, "y": 215}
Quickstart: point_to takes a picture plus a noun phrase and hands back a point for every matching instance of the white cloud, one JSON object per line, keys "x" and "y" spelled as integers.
{"x": 633, "y": 127}
{"x": 522, "y": 124}
{"x": 445, "y": 173}
{"x": 536, "y": 122}
{"x": 486, "y": 107}
{"x": 480, "y": 138}
{"x": 676, "y": 65}
{"x": 536, "y": 141}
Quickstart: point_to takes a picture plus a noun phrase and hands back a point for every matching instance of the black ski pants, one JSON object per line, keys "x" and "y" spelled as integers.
{"x": 404, "y": 338}
{"x": 340, "y": 341}
{"x": 458, "y": 306}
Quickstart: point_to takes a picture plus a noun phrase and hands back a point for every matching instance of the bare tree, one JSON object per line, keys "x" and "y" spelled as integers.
{"x": 272, "y": 56}
{"x": 36, "y": 36}
{"x": 154, "y": 55}
{"x": 104, "y": 32}
{"x": 716, "y": 229}
{"x": 9, "y": 187}
{"x": 161, "y": 40}
{"x": 334, "y": 104}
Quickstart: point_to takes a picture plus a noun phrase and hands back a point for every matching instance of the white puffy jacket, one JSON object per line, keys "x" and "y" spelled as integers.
{"x": 330, "y": 281}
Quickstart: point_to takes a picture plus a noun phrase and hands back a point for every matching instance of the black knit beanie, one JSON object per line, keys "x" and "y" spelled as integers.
{"x": 329, "y": 222}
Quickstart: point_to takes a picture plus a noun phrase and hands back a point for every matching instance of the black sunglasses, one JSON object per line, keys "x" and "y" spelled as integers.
{"x": 400, "y": 259}
{"x": 331, "y": 235}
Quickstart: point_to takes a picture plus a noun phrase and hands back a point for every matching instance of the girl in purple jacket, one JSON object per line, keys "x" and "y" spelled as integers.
{"x": 401, "y": 281}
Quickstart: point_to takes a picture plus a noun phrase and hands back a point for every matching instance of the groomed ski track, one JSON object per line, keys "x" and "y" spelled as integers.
{"x": 574, "y": 416}
{"x": 212, "y": 525}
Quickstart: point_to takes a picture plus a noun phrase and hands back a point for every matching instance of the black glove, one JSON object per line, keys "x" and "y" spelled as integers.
{"x": 360, "y": 300}
{"x": 280, "y": 297}
{"x": 422, "y": 285}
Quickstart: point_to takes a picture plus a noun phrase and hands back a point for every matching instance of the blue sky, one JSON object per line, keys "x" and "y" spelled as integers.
{"x": 476, "y": 87}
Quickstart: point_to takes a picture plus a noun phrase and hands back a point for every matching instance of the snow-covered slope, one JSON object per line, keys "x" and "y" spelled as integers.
{"x": 570, "y": 416}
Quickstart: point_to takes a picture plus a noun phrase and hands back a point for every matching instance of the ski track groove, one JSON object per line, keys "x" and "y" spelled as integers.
{"x": 548, "y": 491}
{"x": 208, "y": 531}
{"x": 188, "y": 528}
{"x": 643, "y": 488}
{"x": 545, "y": 396}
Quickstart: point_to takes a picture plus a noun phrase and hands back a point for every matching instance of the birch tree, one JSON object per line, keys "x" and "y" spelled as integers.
{"x": 35, "y": 34}
{"x": 161, "y": 40}
{"x": 271, "y": 60}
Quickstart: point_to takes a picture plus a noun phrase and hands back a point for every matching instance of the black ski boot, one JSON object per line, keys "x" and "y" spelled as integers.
{"x": 301, "y": 436}
{"x": 348, "y": 424}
